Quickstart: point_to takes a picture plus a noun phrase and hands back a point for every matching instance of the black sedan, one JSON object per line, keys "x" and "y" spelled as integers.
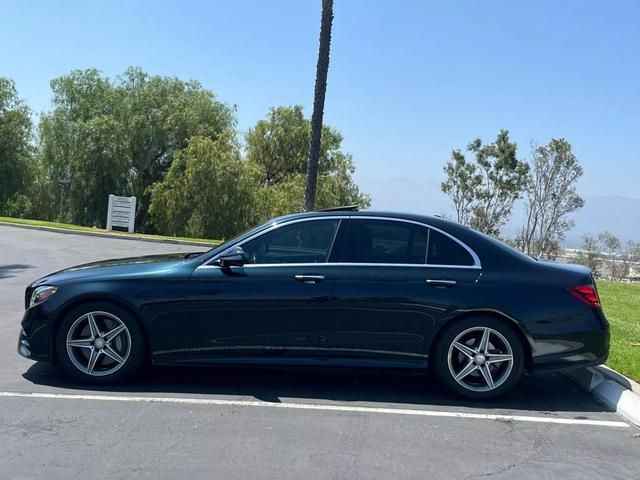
{"x": 337, "y": 288}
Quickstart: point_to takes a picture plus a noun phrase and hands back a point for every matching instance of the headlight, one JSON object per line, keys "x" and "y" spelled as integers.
{"x": 40, "y": 294}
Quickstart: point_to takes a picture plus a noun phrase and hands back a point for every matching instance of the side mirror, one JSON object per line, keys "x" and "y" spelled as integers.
{"x": 233, "y": 257}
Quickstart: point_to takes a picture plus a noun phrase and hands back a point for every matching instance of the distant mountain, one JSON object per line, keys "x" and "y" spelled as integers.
{"x": 617, "y": 214}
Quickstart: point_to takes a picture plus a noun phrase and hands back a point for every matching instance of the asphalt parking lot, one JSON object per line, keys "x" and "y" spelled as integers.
{"x": 277, "y": 424}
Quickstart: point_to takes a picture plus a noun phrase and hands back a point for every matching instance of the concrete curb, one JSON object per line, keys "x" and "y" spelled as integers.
{"x": 616, "y": 391}
{"x": 118, "y": 236}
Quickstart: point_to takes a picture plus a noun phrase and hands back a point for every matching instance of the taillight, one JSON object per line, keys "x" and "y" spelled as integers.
{"x": 586, "y": 294}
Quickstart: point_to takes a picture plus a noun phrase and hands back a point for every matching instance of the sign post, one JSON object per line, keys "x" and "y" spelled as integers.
{"x": 121, "y": 213}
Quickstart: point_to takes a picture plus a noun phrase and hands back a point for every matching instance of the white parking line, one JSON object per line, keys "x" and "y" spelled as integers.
{"x": 316, "y": 406}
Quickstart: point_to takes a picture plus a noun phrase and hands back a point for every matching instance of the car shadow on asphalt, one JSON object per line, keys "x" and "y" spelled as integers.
{"x": 551, "y": 394}
{"x": 7, "y": 271}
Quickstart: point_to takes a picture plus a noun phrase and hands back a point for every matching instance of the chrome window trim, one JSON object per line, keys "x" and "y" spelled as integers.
{"x": 476, "y": 260}
{"x": 347, "y": 264}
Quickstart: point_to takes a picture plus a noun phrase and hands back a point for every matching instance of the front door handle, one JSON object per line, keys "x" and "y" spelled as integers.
{"x": 310, "y": 279}
{"x": 441, "y": 283}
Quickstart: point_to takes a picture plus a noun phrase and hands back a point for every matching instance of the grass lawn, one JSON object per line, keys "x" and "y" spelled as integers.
{"x": 98, "y": 231}
{"x": 621, "y": 303}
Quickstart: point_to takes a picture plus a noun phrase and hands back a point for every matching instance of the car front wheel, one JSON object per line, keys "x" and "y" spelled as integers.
{"x": 479, "y": 358}
{"x": 100, "y": 343}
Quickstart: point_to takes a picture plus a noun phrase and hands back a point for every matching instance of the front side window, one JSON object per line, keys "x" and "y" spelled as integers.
{"x": 301, "y": 242}
{"x": 385, "y": 241}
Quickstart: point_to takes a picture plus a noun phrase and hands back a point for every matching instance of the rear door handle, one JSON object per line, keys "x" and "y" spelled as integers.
{"x": 441, "y": 283}
{"x": 311, "y": 279}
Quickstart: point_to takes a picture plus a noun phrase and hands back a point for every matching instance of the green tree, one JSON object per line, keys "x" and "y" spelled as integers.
{"x": 630, "y": 257}
{"x": 484, "y": 190}
{"x": 278, "y": 144}
{"x": 162, "y": 114}
{"x": 461, "y": 184}
{"x": 550, "y": 196}
{"x": 119, "y": 137}
{"x": 590, "y": 255}
{"x": 606, "y": 256}
{"x": 15, "y": 144}
{"x": 613, "y": 257}
{"x": 333, "y": 189}
{"x": 209, "y": 191}
{"x": 320, "y": 90}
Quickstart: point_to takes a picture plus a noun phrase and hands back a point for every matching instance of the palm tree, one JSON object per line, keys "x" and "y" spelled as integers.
{"x": 318, "y": 104}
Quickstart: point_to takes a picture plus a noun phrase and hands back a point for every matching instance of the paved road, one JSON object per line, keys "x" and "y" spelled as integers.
{"x": 277, "y": 424}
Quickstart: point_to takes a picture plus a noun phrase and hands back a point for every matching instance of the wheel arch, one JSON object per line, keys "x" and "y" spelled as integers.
{"x": 497, "y": 315}
{"x": 89, "y": 298}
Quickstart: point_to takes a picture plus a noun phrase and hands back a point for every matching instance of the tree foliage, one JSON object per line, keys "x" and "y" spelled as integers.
{"x": 211, "y": 191}
{"x": 208, "y": 192}
{"x": 550, "y": 196}
{"x": 119, "y": 137}
{"x": 279, "y": 145}
{"x": 15, "y": 145}
{"x": 617, "y": 257}
{"x": 589, "y": 255}
{"x": 608, "y": 257}
{"x": 172, "y": 145}
{"x": 484, "y": 190}
{"x": 461, "y": 184}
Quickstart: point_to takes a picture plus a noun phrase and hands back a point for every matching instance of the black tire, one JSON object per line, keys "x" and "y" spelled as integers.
{"x": 133, "y": 336}
{"x": 445, "y": 369}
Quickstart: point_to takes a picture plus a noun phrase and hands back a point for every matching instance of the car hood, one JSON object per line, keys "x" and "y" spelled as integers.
{"x": 149, "y": 264}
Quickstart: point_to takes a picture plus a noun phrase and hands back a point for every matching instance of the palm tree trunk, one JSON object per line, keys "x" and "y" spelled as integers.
{"x": 318, "y": 104}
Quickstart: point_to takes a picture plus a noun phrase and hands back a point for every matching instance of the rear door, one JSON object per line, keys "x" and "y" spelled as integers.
{"x": 398, "y": 279}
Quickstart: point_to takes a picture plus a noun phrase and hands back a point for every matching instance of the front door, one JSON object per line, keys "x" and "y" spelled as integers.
{"x": 277, "y": 304}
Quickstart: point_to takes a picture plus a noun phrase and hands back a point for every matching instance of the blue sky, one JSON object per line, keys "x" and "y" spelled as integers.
{"x": 408, "y": 81}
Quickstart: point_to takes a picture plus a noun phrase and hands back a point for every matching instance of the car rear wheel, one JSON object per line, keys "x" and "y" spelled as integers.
{"x": 100, "y": 343}
{"x": 479, "y": 358}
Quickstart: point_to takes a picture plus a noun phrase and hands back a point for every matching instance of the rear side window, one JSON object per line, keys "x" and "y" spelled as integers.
{"x": 301, "y": 242}
{"x": 383, "y": 241}
{"x": 446, "y": 251}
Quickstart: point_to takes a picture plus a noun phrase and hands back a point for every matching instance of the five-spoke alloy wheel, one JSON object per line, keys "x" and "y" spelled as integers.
{"x": 100, "y": 343}
{"x": 479, "y": 357}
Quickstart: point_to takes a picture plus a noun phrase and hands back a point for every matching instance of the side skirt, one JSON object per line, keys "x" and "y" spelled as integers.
{"x": 289, "y": 361}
